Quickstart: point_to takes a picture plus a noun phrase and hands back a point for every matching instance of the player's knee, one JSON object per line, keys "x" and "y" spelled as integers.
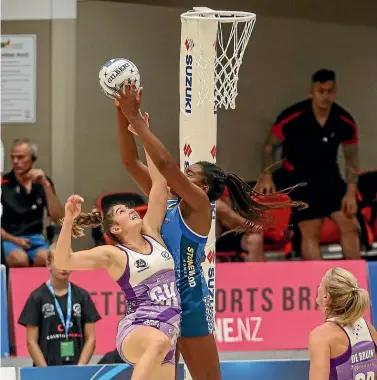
{"x": 160, "y": 346}
{"x": 17, "y": 259}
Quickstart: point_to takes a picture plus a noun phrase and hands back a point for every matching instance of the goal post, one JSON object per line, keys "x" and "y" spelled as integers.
{"x": 212, "y": 47}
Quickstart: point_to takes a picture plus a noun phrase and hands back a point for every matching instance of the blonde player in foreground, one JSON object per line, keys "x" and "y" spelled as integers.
{"x": 344, "y": 347}
{"x": 144, "y": 270}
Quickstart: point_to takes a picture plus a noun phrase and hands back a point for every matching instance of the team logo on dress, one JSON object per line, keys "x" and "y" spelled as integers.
{"x": 141, "y": 264}
{"x": 165, "y": 255}
{"x": 48, "y": 310}
{"x": 152, "y": 323}
{"x": 76, "y": 310}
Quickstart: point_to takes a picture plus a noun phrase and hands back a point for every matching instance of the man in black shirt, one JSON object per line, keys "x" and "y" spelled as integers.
{"x": 52, "y": 309}
{"x": 26, "y": 193}
{"x": 310, "y": 133}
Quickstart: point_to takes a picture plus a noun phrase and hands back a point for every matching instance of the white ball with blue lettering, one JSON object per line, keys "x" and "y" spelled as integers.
{"x": 117, "y": 72}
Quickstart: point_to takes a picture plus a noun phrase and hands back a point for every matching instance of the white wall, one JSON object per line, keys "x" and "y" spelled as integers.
{"x": 279, "y": 61}
{"x": 38, "y": 9}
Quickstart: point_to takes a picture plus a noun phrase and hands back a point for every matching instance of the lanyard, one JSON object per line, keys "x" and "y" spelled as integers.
{"x": 67, "y": 323}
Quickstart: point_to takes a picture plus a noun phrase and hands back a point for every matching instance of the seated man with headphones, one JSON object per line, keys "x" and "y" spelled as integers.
{"x": 26, "y": 193}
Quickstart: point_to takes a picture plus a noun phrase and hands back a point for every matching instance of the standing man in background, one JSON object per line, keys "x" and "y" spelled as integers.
{"x": 310, "y": 133}
{"x": 26, "y": 194}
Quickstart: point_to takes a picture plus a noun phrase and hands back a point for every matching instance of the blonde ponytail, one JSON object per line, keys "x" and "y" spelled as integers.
{"x": 90, "y": 219}
{"x": 348, "y": 301}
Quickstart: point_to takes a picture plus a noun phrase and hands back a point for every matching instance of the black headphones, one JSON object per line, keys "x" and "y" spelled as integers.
{"x": 34, "y": 151}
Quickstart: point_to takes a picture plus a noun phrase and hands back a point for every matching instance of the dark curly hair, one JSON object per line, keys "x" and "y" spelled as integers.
{"x": 245, "y": 200}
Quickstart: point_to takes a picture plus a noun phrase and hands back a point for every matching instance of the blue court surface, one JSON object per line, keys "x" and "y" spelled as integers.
{"x": 230, "y": 370}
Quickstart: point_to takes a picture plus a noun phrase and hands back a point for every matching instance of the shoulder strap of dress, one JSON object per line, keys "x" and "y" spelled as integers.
{"x": 123, "y": 248}
{"x": 154, "y": 242}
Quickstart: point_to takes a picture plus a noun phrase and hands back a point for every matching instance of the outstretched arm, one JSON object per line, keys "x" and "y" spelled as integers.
{"x": 195, "y": 197}
{"x": 129, "y": 155}
{"x": 227, "y": 216}
{"x": 64, "y": 258}
{"x": 158, "y": 197}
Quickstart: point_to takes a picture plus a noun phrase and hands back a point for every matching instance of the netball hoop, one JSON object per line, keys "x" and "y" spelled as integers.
{"x": 233, "y": 31}
{"x": 213, "y": 44}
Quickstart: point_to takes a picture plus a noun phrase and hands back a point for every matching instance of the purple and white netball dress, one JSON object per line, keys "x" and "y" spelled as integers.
{"x": 359, "y": 361}
{"x": 149, "y": 285}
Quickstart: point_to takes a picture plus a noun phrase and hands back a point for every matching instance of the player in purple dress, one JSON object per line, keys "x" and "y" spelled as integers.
{"x": 143, "y": 268}
{"x": 344, "y": 347}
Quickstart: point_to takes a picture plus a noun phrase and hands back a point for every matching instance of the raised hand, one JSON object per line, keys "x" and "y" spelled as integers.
{"x": 129, "y": 100}
{"x": 37, "y": 176}
{"x": 73, "y": 206}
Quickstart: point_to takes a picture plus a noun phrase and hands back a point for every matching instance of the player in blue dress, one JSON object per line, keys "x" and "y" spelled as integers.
{"x": 186, "y": 226}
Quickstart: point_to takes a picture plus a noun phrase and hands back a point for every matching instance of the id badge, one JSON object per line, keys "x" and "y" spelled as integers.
{"x": 67, "y": 349}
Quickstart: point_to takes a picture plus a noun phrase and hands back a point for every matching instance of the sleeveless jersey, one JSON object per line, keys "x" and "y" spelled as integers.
{"x": 149, "y": 285}
{"x": 359, "y": 361}
{"x": 187, "y": 249}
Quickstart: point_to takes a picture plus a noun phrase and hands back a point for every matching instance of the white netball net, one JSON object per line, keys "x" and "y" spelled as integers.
{"x": 233, "y": 33}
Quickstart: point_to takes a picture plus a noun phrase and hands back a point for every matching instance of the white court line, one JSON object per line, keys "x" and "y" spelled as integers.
{"x": 94, "y": 376}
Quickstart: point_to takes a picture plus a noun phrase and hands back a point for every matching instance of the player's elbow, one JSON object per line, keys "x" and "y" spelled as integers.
{"x": 131, "y": 163}
{"x": 61, "y": 263}
{"x": 166, "y": 167}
